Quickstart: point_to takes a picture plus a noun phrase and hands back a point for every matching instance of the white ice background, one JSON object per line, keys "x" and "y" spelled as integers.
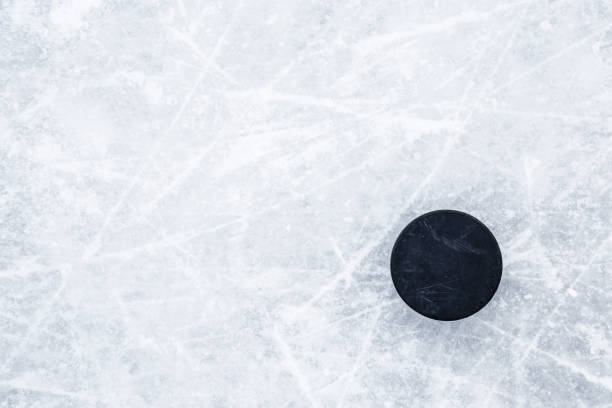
{"x": 198, "y": 200}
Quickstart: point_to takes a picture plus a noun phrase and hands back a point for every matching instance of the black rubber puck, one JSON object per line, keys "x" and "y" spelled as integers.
{"x": 446, "y": 265}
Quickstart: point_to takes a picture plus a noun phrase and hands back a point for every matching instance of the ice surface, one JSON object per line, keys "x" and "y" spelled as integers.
{"x": 198, "y": 200}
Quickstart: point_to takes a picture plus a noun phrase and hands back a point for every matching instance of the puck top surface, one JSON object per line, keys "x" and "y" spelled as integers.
{"x": 446, "y": 265}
